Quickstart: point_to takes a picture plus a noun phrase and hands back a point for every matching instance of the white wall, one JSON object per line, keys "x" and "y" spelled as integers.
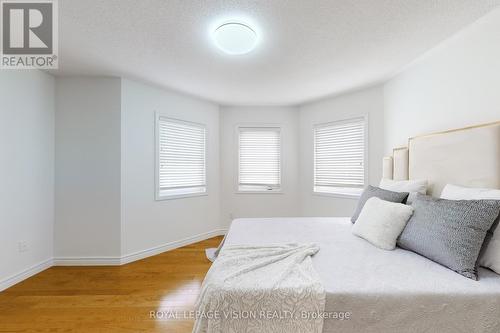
{"x": 267, "y": 204}
{"x": 26, "y": 169}
{"x": 454, "y": 85}
{"x": 365, "y": 102}
{"x": 87, "y": 191}
{"x": 147, "y": 223}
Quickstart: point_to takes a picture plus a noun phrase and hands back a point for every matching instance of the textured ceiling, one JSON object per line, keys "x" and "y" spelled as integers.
{"x": 309, "y": 49}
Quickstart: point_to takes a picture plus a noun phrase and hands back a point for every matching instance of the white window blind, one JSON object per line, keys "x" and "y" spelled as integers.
{"x": 181, "y": 158}
{"x": 339, "y": 156}
{"x": 259, "y": 159}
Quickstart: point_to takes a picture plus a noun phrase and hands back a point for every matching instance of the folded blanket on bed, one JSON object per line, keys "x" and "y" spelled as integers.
{"x": 262, "y": 289}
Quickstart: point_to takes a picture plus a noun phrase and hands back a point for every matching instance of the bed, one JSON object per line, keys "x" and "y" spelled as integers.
{"x": 398, "y": 291}
{"x": 385, "y": 291}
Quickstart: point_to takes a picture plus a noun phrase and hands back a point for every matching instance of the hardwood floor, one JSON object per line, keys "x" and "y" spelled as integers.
{"x": 110, "y": 299}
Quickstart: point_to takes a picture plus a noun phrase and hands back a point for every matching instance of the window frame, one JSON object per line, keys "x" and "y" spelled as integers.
{"x": 158, "y": 195}
{"x": 342, "y": 192}
{"x": 237, "y": 188}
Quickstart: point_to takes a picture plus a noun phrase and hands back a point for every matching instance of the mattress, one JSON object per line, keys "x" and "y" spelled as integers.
{"x": 381, "y": 291}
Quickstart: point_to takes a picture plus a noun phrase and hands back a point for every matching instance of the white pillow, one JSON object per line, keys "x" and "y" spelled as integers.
{"x": 411, "y": 186}
{"x": 455, "y": 192}
{"x": 381, "y": 222}
{"x": 491, "y": 255}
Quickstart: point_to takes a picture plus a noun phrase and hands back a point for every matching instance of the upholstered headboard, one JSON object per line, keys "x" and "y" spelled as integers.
{"x": 468, "y": 156}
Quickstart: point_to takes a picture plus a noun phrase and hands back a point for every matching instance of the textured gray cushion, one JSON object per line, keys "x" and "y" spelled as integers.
{"x": 372, "y": 191}
{"x": 449, "y": 232}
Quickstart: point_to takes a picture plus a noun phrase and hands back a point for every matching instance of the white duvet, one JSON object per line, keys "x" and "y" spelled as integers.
{"x": 266, "y": 288}
{"x": 384, "y": 291}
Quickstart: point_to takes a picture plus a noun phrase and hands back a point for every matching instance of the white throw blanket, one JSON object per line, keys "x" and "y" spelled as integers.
{"x": 262, "y": 289}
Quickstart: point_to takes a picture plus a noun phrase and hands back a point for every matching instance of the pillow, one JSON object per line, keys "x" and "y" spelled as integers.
{"x": 372, "y": 191}
{"x": 412, "y": 186}
{"x": 490, "y": 253}
{"x": 455, "y": 192}
{"x": 449, "y": 232}
{"x": 381, "y": 222}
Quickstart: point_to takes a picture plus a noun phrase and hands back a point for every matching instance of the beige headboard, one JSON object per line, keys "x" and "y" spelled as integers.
{"x": 400, "y": 160}
{"x": 468, "y": 156}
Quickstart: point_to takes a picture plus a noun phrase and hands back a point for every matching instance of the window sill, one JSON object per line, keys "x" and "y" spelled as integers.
{"x": 259, "y": 192}
{"x": 179, "y": 194}
{"x": 257, "y": 189}
{"x": 340, "y": 192}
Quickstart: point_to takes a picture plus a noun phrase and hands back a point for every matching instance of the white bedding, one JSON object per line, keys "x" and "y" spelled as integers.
{"x": 385, "y": 291}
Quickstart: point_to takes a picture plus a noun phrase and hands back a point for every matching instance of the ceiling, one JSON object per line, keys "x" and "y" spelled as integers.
{"x": 308, "y": 49}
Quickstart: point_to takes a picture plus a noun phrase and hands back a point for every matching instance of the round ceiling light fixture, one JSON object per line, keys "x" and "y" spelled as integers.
{"x": 235, "y": 38}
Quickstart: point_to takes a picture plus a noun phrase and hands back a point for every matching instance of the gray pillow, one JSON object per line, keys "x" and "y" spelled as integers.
{"x": 372, "y": 191}
{"x": 449, "y": 232}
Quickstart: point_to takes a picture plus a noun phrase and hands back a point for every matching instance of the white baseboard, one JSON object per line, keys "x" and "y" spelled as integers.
{"x": 170, "y": 246}
{"x": 106, "y": 261}
{"x": 29, "y": 272}
{"x": 128, "y": 258}
{"x": 87, "y": 261}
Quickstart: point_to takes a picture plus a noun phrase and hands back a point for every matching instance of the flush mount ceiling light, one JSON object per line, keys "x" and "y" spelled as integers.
{"x": 235, "y": 38}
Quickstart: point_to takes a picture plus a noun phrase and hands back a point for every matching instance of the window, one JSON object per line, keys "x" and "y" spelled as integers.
{"x": 340, "y": 157}
{"x": 181, "y": 164}
{"x": 259, "y": 159}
